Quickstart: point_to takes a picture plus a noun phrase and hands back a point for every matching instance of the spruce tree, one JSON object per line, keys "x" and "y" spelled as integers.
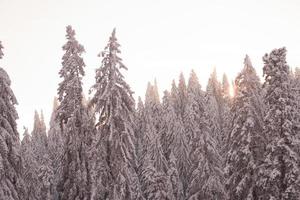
{"x": 175, "y": 147}
{"x": 153, "y": 106}
{"x": 114, "y": 105}
{"x": 11, "y": 182}
{"x": 41, "y": 157}
{"x": 45, "y": 175}
{"x": 154, "y": 183}
{"x": 74, "y": 183}
{"x": 55, "y": 147}
{"x": 206, "y": 178}
{"x": 181, "y": 99}
{"x": 280, "y": 170}
{"x": 174, "y": 177}
{"x": 174, "y": 93}
{"x": 30, "y": 174}
{"x": 296, "y": 88}
{"x": 140, "y": 136}
{"x": 214, "y": 103}
{"x": 226, "y": 115}
{"x": 39, "y": 139}
{"x": 246, "y": 142}
{"x": 178, "y": 159}
{"x": 155, "y": 179}
{"x": 170, "y": 125}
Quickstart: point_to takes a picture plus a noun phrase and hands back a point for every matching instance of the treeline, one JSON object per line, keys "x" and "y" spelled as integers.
{"x": 194, "y": 144}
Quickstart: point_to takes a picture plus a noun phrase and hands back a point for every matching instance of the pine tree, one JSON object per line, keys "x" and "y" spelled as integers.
{"x": 295, "y": 82}
{"x": 280, "y": 170}
{"x": 39, "y": 139}
{"x": 155, "y": 184}
{"x": 206, "y": 177}
{"x": 55, "y": 146}
{"x": 155, "y": 180}
{"x": 214, "y": 103}
{"x": 114, "y": 104}
{"x": 11, "y": 182}
{"x": 246, "y": 142}
{"x": 100, "y": 176}
{"x": 40, "y": 150}
{"x": 174, "y": 93}
{"x": 192, "y": 115}
{"x": 169, "y": 125}
{"x": 180, "y": 96}
{"x": 181, "y": 152}
{"x": 174, "y": 144}
{"x": 296, "y": 87}
{"x": 30, "y": 174}
{"x": 192, "y": 122}
{"x": 45, "y": 175}
{"x": 153, "y": 106}
{"x": 74, "y": 183}
{"x": 140, "y": 136}
{"x": 226, "y": 115}
{"x": 154, "y": 150}
{"x": 174, "y": 177}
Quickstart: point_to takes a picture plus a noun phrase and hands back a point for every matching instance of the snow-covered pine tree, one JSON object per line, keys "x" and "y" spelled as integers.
{"x": 174, "y": 93}
{"x": 100, "y": 177}
{"x": 181, "y": 98}
{"x": 75, "y": 180}
{"x": 280, "y": 170}
{"x": 296, "y": 88}
{"x": 178, "y": 99}
{"x": 192, "y": 125}
{"x": 226, "y": 114}
{"x": 39, "y": 142}
{"x": 156, "y": 183}
{"x": 11, "y": 183}
{"x": 155, "y": 180}
{"x": 39, "y": 139}
{"x": 40, "y": 152}
{"x": 246, "y": 142}
{"x": 45, "y": 177}
{"x": 140, "y": 136}
{"x": 169, "y": 125}
{"x": 174, "y": 177}
{"x": 154, "y": 149}
{"x": 153, "y": 106}
{"x": 55, "y": 147}
{"x": 214, "y": 103}
{"x": 206, "y": 177}
{"x": 295, "y": 82}
{"x": 174, "y": 143}
{"x": 192, "y": 115}
{"x": 114, "y": 104}
{"x": 30, "y": 174}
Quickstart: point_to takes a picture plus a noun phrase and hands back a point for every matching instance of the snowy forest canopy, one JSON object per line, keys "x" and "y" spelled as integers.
{"x": 193, "y": 144}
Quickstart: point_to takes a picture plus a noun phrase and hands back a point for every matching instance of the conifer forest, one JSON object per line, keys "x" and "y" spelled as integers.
{"x": 192, "y": 143}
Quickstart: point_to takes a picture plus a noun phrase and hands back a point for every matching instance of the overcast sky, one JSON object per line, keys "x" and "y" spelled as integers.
{"x": 159, "y": 38}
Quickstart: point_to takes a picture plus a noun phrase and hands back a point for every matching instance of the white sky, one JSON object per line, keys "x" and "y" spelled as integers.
{"x": 159, "y": 39}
